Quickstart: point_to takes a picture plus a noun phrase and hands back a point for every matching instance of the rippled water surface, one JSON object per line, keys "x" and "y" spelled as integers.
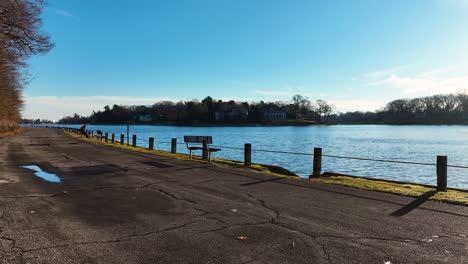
{"x": 405, "y": 143}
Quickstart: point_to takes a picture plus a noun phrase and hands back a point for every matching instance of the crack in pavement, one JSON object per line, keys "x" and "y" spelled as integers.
{"x": 65, "y": 192}
{"x": 14, "y": 247}
{"x": 174, "y": 196}
{"x": 274, "y": 221}
{"x": 325, "y": 251}
{"x": 110, "y": 241}
{"x": 233, "y": 225}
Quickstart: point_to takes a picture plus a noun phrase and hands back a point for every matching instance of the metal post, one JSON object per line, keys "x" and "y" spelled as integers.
{"x": 441, "y": 173}
{"x": 205, "y": 150}
{"x": 106, "y": 137}
{"x": 317, "y": 169}
{"x": 113, "y": 138}
{"x": 151, "y": 143}
{"x": 122, "y": 139}
{"x": 174, "y": 145}
{"x": 247, "y": 155}
{"x": 128, "y": 134}
{"x": 134, "y": 140}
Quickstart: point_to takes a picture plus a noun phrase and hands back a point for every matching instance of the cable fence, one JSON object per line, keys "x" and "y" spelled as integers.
{"x": 380, "y": 160}
{"x": 316, "y": 161}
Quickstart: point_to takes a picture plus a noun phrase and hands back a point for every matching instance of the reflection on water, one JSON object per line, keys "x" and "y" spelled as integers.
{"x": 42, "y": 174}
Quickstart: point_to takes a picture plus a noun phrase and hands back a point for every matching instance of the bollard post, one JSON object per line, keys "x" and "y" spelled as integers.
{"x": 317, "y": 169}
{"x": 134, "y": 140}
{"x": 122, "y": 139}
{"x": 151, "y": 143}
{"x": 174, "y": 145}
{"x": 106, "y": 137}
{"x": 441, "y": 173}
{"x": 113, "y": 138}
{"x": 247, "y": 155}
{"x": 128, "y": 134}
{"x": 205, "y": 150}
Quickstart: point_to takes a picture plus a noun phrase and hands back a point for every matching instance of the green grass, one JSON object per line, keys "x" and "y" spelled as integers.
{"x": 218, "y": 162}
{"x": 414, "y": 190}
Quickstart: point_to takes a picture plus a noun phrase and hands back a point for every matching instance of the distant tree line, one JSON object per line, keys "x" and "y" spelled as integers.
{"x": 211, "y": 111}
{"x": 36, "y": 121}
{"x": 436, "y": 109}
{"x": 20, "y": 38}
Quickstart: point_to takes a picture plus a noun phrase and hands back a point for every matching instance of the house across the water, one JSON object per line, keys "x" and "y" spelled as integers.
{"x": 274, "y": 114}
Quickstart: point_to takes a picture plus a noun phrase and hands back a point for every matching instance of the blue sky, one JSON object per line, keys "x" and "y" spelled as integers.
{"x": 356, "y": 54}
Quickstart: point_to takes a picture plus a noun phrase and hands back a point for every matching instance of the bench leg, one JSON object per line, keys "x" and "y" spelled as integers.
{"x": 209, "y": 157}
{"x": 190, "y": 154}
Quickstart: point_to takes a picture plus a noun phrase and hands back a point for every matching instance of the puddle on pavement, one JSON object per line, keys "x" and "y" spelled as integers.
{"x": 42, "y": 174}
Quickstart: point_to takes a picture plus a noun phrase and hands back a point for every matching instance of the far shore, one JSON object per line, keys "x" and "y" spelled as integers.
{"x": 272, "y": 124}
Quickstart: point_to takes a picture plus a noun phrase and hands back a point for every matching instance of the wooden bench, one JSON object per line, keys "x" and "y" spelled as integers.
{"x": 196, "y": 143}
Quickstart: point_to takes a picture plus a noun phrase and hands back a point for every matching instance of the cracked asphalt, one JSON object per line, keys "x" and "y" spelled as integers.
{"x": 115, "y": 206}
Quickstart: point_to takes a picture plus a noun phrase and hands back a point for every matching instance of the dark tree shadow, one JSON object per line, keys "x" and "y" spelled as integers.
{"x": 157, "y": 164}
{"x": 414, "y": 204}
{"x": 261, "y": 181}
{"x": 94, "y": 170}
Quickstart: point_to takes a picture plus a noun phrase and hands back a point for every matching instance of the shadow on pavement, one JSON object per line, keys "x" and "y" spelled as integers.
{"x": 96, "y": 169}
{"x": 262, "y": 181}
{"x": 414, "y": 204}
{"x": 332, "y": 189}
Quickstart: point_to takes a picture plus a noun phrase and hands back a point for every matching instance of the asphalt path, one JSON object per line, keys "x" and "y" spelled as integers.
{"x": 117, "y": 206}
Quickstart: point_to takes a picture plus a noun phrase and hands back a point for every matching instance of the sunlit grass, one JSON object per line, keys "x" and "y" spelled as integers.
{"x": 413, "y": 190}
{"x": 11, "y": 131}
{"x": 218, "y": 162}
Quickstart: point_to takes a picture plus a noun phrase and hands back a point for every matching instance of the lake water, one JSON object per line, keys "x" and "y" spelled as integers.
{"x": 403, "y": 143}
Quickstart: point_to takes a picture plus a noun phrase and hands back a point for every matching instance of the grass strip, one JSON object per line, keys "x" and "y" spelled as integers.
{"x": 218, "y": 162}
{"x": 407, "y": 189}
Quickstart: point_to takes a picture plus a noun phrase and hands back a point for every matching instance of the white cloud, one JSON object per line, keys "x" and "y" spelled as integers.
{"x": 385, "y": 72}
{"x": 456, "y": 3}
{"x": 64, "y": 13}
{"x": 56, "y": 107}
{"x": 288, "y": 91}
{"x": 424, "y": 83}
{"x": 275, "y": 92}
{"x": 351, "y": 105}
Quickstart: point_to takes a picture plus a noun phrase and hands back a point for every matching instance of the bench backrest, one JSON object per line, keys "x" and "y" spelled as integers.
{"x": 198, "y": 139}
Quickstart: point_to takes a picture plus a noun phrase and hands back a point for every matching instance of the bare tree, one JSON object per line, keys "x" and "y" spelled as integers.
{"x": 20, "y": 38}
{"x": 324, "y": 110}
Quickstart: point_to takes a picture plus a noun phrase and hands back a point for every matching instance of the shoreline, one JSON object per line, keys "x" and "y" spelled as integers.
{"x": 420, "y": 191}
{"x": 236, "y": 125}
{"x": 115, "y": 205}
